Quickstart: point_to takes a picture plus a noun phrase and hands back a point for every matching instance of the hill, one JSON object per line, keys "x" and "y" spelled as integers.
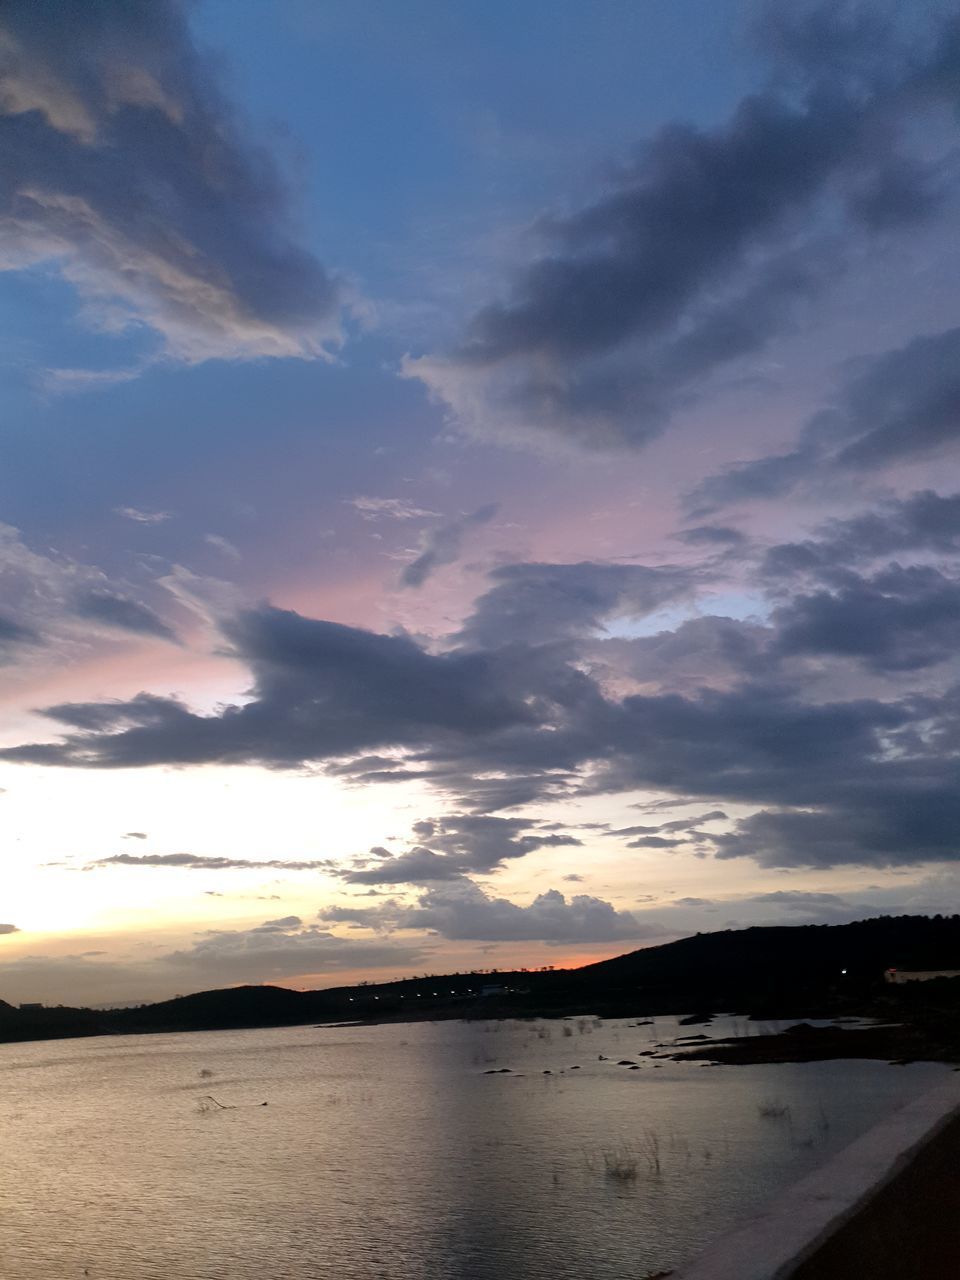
{"x": 781, "y": 971}
{"x": 773, "y": 963}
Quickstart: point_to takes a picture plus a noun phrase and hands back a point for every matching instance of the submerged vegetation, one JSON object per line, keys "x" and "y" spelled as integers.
{"x": 773, "y": 1110}
{"x": 621, "y": 1166}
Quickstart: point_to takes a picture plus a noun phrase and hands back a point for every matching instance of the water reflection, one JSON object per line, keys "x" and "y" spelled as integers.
{"x": 387, "y": 1152}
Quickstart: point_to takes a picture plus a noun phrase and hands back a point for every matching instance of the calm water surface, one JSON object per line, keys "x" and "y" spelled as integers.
{"x": 386, "y": 1153}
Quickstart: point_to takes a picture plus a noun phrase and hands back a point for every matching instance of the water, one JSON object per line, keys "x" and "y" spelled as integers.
{"x": 386, "y": 1153}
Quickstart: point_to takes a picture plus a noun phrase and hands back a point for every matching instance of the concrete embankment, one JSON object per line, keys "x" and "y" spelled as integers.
{"x": 885, "y": 1208}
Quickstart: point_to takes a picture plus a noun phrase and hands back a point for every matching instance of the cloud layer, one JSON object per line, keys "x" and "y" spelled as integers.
{"x": 837, "y": 719}
{"x": 462, "y": 911}
{"x": 125, "y": 165}
{"x": 711, "y": 242}
{"x": 896, "y": 407}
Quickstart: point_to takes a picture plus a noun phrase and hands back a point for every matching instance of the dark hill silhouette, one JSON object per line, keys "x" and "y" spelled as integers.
{"x": 768, "y": 960}
{"x": 247, "y": 1006}
{"x": 778, "y": 971}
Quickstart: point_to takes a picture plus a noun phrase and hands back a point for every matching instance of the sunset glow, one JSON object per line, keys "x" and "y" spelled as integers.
{"x": 462, "y": 510}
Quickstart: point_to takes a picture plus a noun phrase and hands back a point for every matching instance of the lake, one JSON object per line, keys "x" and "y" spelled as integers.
{"x": 387, "y": 1153}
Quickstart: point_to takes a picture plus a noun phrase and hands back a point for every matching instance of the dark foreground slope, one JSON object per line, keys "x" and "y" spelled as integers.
{"x": 785, "y": 971}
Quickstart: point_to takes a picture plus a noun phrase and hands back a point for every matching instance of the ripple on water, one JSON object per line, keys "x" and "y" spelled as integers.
{"x": 392, "y": 1153}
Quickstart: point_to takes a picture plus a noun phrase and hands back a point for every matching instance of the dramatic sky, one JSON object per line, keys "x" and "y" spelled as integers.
{"x": 479, "y": 481}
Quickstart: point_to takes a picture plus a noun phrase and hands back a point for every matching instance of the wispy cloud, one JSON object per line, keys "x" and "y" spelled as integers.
{"x": 143, "y": 517}
{"x": 441, "y": 546}
{"x": 390, "y": 509}
{"x": 201, "y": 862}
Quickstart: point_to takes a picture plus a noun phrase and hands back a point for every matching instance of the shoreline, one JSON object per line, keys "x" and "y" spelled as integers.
{"x": 899, "y": 1044}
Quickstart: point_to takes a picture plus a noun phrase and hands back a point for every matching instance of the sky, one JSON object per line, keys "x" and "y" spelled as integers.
{"x": 479, "y": 482}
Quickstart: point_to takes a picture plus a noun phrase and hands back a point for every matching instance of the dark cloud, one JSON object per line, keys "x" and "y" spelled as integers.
{"x": 688, "y": 824}
{"x": 418, "y": 865}
{"x": 124, "y": 164}
{"x": 322, "y": 690}
{"x": 752, "y": 739}
{"x": 482, "y": 842}
{"x": 201, "y": 862}
{"x": 924, "y": 522}
{"x": 862, "y": 47}
{"x": 905, "y": 404}
{"x": 836, "y": 721}
{"x": 442, "y": 546}
{"x": 895, "y": 407}
{"x": 914, "y": 821}
{"x": 493, "y": 722}
{"x": 652, "y": 837}
{"x": 693, "y": 256}
{"x": 126, "y": 615}
{"x": 45, "y": 592}
{"x": 819, "y": 906}
{"x": 462, "y": 911}
{"x": 13, "y": 636}
{"x": 368, "y": 770}
{"x": 653, "y": 842}
{"x": 461, "y": 844}
{"x": 684, "y": 214}
{"x": 712, "y": 535}
{"x": 863, "y": 781}
{"x": 8, "y": 928}
{"x": 900, "y": 619}
{"x": 530, "y": 603}
{"x": 709, "y": 650}
{"x": 761, "y": 479}
{"x": 13, "y": 632}
{"x": 901, "y": 192}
